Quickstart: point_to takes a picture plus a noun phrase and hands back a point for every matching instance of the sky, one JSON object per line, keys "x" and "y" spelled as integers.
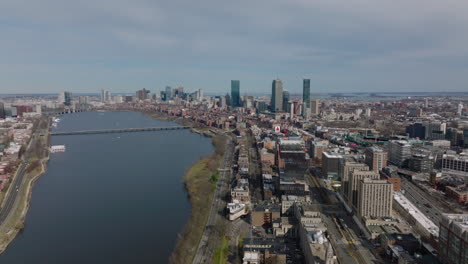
{"x": 343, "y": 46}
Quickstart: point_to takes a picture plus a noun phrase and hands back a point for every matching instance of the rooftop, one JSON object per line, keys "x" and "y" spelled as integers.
{"x": 416, "y": 213}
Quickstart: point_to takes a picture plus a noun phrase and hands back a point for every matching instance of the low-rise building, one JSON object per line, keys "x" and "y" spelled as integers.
{"x": 265, "y": 213}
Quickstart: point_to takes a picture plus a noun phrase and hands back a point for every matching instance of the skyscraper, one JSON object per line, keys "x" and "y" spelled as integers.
{"x": 286, "y": 101}
{"x": 306, "y": 92}
{"x": 276, "y": 96}
{"x": 68, "y": 96}
{"x": 168, "y": 92}
{"x": 142, "y": 94}
{"x": 65, "y": 98}
{"x": 107, "y": 96}
{"x": 2, "y": 110}
{"x": 235, "y": 93}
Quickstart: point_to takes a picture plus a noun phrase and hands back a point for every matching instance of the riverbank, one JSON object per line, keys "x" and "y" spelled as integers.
{"x": 14, "y": 223}
{"x": 200, "y": 187}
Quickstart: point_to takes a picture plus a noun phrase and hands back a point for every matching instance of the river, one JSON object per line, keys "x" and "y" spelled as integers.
{"x": 110, "y": 198}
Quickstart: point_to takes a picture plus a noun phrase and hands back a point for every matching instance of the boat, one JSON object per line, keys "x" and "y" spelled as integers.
{"x": 57, "y": 148}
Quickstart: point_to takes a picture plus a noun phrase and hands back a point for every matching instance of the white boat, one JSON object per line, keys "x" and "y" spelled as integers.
{"x": 57, "y": 148}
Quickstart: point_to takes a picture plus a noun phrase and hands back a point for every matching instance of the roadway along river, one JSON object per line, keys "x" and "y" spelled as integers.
{"x": 110, "y": 198}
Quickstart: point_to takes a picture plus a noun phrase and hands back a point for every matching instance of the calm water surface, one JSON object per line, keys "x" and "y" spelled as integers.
{"x": 110, "y": 198}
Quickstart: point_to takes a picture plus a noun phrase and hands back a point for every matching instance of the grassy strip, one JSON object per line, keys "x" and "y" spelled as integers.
{"x": 221, "y": 254}
{"x": 15, "y": 222}
{"x": 199, "y": 185}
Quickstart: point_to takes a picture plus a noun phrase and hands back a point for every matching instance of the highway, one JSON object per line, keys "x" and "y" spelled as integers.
{"x": 207, "y": 244}
{"x": 12, "y": 193}
{"x": 18, "y": 180}
{"x": 423, "y": 201}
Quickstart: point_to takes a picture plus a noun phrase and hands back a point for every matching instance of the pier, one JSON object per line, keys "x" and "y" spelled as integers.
{"x": 118, "y": 130}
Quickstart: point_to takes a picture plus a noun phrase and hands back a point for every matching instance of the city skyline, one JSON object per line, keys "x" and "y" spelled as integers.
{"x": 117, "y": 46}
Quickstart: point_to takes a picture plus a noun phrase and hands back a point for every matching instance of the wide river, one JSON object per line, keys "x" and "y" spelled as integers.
{"x": 110, "y": 198}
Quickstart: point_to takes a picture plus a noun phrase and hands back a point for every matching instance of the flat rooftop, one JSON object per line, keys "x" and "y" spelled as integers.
{"x": 416, "y": 214}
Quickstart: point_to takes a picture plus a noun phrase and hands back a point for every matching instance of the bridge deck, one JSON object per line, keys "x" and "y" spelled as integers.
{"x": 118, "y": 130}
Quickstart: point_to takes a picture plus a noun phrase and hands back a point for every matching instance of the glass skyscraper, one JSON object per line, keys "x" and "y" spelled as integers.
{"x": 286, "y": 101}
{"x": 235, "y": 93}
{"x": 306, "y": 93}
{"x": 276, "y": 96}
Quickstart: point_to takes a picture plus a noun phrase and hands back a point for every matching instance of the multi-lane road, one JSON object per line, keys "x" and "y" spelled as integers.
{"x": 423, "y": 201}
{"x": 17, "y": 182}
{"x": 206, "y": 245}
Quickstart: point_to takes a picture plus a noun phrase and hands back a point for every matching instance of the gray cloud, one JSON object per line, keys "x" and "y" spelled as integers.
{"x": 357, "y": 45}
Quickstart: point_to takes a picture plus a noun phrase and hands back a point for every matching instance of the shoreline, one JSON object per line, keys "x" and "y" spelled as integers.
{"x": 195, "y": 178}
{"x": 13, "y": 229}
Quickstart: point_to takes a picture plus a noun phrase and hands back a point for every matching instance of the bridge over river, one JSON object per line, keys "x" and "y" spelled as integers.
{"x": 118, "y": 130}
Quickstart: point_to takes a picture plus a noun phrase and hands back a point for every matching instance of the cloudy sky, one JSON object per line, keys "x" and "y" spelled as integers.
{"x": 343, "y": 46}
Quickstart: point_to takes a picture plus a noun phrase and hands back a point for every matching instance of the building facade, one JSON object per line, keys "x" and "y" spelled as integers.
{"x": 276, "y": 96}
{"x": 453, "y": 239}
{"x": 315, "y": 106}
{"x": 356, "y": 177}
{"x": 376, "y": 158}
{"x": 235, "y": 93}
{"x": 375, "y": 198}
{"x": 306, "y": 92}
{"x": 399, "y": 152}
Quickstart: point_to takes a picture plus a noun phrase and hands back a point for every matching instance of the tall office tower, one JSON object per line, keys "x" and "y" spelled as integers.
{"x": 107, "y": 96}
{"x": 168, "y": 92}
{"x": 426, "y": 102}
{"x": 285, "y": 101}
{"x": 142, "y": 94}
{"x": 375, "y": 198}
{"x": 355, "y": 177}
{"x": 306, "y": 92}
{"x": 347, "y": 166}
{"x": 314, "y": 106}
{"x": 65, "y": 98}
{"x": 460, "y": 109}
{"x": 103, "y": 95}
{"x": 2, "y": 111}
{"x": 68, "y": 96}
{"x": 276, "y": 96}
{"x": 376, "y": 158}
{"x": 179, "y": 91}
{"x": 200, "y": 95}
{"x": 399, "y": 152}
{"x": 453, "y": 239}
{"x": 235, "y": 93}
